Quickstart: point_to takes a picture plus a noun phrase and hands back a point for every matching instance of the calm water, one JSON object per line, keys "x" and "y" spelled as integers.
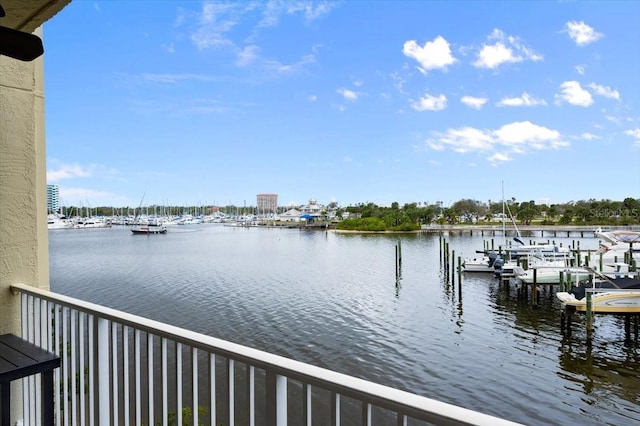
{"x": 331, "y": 300}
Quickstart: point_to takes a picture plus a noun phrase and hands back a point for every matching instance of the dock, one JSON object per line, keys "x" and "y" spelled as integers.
{"x": 525, "y": 230}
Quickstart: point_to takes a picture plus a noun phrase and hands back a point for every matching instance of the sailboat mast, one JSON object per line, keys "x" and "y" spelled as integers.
{"x": 504, "y": 226}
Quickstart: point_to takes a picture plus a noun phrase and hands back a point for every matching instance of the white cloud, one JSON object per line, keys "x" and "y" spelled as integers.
{"x": 80, "y": 196}
{"x": 398, "y": 83}
{"x": 434, "y": 54}
{"x": 473, "y": 102}
{"x": 524, "y": 100}
{"x": 347, "y": 94}
{"x": 434, "y": 145}
{"x": 289, "y": 68}
{"x": 574, "y": 94}
{"x": 465, "y": 139}
{"x": 505, "y": 49}
{"x": 581, "y": 69}
{"x": 581, "y": 33}
{"x": 605, "y": 91}
{"x": 634, "y": 133}
{"x": 526, "y": 134}
{"x": 214, "y": 22}
{"x": 501, "y": 144}
{"x": 499, "y": 158}
{"x": 430, "y": 103}
{"x": 247, "y": 55}
{"x": 68, "y": 171}
{"x": 310, "y": 10}
{"x": 589, "y": 136}
{"x": 312, "y": 98}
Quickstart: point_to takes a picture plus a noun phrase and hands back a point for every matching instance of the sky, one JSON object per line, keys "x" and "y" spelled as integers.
{"x": 211, "y": 103}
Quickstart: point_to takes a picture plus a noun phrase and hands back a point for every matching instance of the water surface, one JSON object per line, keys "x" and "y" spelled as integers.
{"x": 331, "y": 300}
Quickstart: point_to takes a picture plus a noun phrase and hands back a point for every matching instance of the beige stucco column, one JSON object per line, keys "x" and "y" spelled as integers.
{"x": 24, "y": 241}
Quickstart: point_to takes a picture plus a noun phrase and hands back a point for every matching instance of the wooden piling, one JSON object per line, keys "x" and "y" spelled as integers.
{"x": 600, "y": 262}
{"x": 589, "y": 318}
{"x": 459, "y": 278}
{"x": 453, "y": 267}
{"x": 397, "y": 266}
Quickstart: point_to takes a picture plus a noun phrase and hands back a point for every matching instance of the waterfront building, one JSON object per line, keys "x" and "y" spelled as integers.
{"x": 291, "y": 215}
{"x": 267, "y": 203}
{"x": 52, "y": 198}
{"x": 313, "y": 208}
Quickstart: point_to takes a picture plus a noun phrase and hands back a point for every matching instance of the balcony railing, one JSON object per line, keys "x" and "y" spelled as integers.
{"x": 122, "y": 369}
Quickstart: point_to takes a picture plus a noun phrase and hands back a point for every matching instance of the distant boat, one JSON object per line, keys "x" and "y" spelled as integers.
{"x": 480, "y": 264}
{"x": 152, "y": 227}
{"x": 58, "y": 222}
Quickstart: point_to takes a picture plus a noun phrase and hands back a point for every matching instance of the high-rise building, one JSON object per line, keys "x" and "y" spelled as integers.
{"x": 52, "y": 198}
{"x": 267, "y": 203}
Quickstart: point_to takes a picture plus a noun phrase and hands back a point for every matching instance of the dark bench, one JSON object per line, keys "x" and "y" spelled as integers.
{"x": 18, "y": 359}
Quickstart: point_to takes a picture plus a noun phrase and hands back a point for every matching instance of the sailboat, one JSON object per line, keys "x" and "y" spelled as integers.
{"x": 489, "y": 261}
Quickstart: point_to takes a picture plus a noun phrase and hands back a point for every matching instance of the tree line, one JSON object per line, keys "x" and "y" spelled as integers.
{"x": 411, "y": 215}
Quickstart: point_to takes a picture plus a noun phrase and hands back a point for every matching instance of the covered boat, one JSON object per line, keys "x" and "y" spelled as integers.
{"x": 618, "y": 295}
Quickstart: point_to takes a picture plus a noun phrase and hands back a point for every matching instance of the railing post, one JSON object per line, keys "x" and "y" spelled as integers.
{"x": 252, "y": 395}
{"x": 179, "y": 383}
{"x": 165, "y": 382}
{"x": 103, "y": 372}
{"x": 194, "y": 384}
{"x": 231, "y": 390}
{"x": 276, "y": 399}
{"x": 150, "y": 385}
{"x": 281, "y": 407}
{"x": 212, "y": 387}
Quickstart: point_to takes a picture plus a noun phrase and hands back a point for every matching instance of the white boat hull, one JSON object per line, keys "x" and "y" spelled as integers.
{"x": 477, "y": 265}
{"x": 149, "y": 229}
{"x": 611, "y": 302}
{"x": 552, "y": 275}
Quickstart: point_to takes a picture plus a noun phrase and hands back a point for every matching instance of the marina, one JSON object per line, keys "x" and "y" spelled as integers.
{"x": 385, "y": 308}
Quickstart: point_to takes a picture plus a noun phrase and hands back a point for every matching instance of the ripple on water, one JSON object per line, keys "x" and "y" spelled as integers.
{"x": 332, "y": 300}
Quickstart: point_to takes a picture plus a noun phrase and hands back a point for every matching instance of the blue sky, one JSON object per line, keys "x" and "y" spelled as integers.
{"x": 199, "y": 103}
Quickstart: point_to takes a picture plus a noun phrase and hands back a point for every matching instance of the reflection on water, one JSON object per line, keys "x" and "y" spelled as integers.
{"x": 333, "y": 300}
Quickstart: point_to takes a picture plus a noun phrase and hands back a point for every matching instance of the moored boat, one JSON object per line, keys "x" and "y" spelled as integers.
{"x": 620, "y": 295}
{"x": 152, "y": 227}
{"x": 480, "y": 264}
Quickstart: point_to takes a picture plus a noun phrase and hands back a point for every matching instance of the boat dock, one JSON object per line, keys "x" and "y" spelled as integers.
{"x": 526, "y": 230}
{"x": 601, "y": 282}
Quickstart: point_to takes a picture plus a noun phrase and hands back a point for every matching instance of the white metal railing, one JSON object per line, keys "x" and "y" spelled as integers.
{"x": 122, "y": 369}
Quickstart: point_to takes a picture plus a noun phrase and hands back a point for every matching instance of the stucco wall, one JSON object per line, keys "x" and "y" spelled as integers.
{"x": 24, "y": 242}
